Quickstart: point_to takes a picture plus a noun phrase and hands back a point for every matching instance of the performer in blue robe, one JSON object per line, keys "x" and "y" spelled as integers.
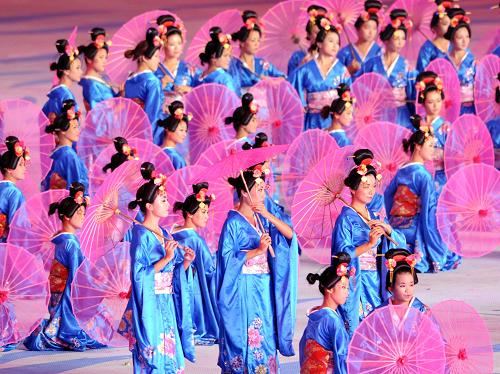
{"x": 95, "y": 90}
{"x": 340, "y": 111}
{"x": 13, "y": 164}
{"x": 195, "y": 210}
{"x": 244, "y": 120}
{"x": 247, "y": 76}
{"x": 68, "y": 69}
{"x": 144, "y": 87}
{"x": 323, "y": 347}
{"x": 360, "y": 233}
{"x": 317, "y": 80}
{"x": 256, "y": 292}
{"x": 157, "y": 320}
{"x": 462, "y": 59}
{"x": 391, "y": 65}
{"x": 175, "y": 132}
{"x": 410, "y": 200}
{"x": 66, "y": 166}
{"x": 61, "y": 331}
{"x": 365, "y": 48}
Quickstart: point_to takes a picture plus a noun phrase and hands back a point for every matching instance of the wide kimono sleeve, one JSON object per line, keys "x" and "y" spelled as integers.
{"x": 330, "y": 330}
{"x": 153, "y": 102}
{"x": 15, "y": 199}
{"x": 294, "y": 61}
{"x": 297, "y": 80}
{"x": 389, "y": 195}
{"x": 73, "y": 258}
{"x": 76, "y": 171}
{"x": 273, "y": 71}
{"x": 425, "y": 56}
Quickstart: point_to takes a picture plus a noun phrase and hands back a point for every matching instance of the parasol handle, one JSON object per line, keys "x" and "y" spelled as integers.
{"x": 271, "y": 250}
{"x": 366, "y": 219}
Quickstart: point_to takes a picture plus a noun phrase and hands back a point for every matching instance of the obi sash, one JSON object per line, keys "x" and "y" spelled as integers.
{"x": 138, "y": 102}
{"x": 57, "y": 182}
{"x": 368, "y": 260}
{"x": 317, "y": 360}
{"x": 406, "y": 203}
{"x": 3, "y": 225}
{"x": 57, "y": 277}
{"x": 399, "y": 95}
{"x": 256, "y": 265}
{"x": 163, "y": 283}
{"x": 87, "y": 105}
{"x": 467, "y": 93}
{"x": 317, "y": 100}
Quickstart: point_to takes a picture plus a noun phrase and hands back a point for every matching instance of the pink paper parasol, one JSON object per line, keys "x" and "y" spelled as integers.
{"x": 451, "y": 88}
{"x": 118, "y": 67}
{"x": 345, "y": 12}
{"x": 109, "y": 119}
{"x": 32, "y": 228}
{"x": 396, "y": 339}
{"x": 280, "y": 112}
{"x": 99, "y": 294}
{"x": 179, "y": 186}
{"x": 103, "y": 227}
{"x": 24, "y": 293}
{"x": 284, "y": 31}
{"x": 316, "y": 206}
{"x": 147, "y": 151}
{"x": 209, "y": 104}
{"x": 468, "y": 348}
{"x": 373, "y": 95}
{"x": 468, "y": 142}
{"x": 485, "y": 84}
{"x": 304, "y": 152}
{"x": 468, "y": 211}
{"x": 228, "y": 20}
{"x": 27, "y": 122}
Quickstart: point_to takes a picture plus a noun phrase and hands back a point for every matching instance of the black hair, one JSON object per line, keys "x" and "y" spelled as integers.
{"x": 63, "y": 120}
{"x": 250, "y": 180}
{"x": 438, "y": 15}
{"x": 120, "y": 157}
{"x": 389, "y": 30}
{"x": 64, "y": 61}
{"x": 322, "y": 33}
{"x": 171, "y": 122}
{"x": 372, "y": 8}
{"x": 338, "y": 105}
{"x": 417, "y": 138}
{"x": 497, "y": 91}
{"x": 458, "y": 13}
{"x": 320, "y": 10}
{"x": 146, "y": 194}
{"x": 329, "y": 278}
{"x": 261, "y": 140}
{"x": 428, "y": 77}
{"x": 146, "y": 47}
{"x": 90, "y": 50}
{"x": 9, "y": 159}
{"x": 242, "y": 114}
{"x": 250, "y": 20}
{"x": 68, "y": 206}
{"x": 400, "y": 268}
{"x": 214, "y": 48}
{"x": 354, "y": 178}
{"x": 192, "y": 202}
{"x": 169, "y": 25}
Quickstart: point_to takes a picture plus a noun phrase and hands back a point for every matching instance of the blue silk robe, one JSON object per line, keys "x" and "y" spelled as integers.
{"x": 427, "y": 53}
{"x": 309, "y": 83}
{"x": 345, "y": 55}
{"x": 340, "y": 137}
{"x": 414, "y": 303}
{"x": 176, "y": 158}
{"x": 247, "y": 78}
{"x": 66, "y": 168}
{"x": 95, "y": 90}
{"x": 145, "y": 89}
{"x": 441, "y": 128}
{"x": 367, "y": 287}
{"x": 219, "y": 76}
{"x": 402, "y": 81}
{"x": 256, "y": 298}
{"x": 11, "y": 199}
{"x": 327, "y": 328}
{"x": 183, "y": 76}
{"x": 56, "y": 97}
{"x": 157, "y": 321}
{"x": 295, "y": 61}
{"x": 204, "y": 307}
{"x": 61, "y": 331}
{"x": 466, "y": 72}
{"x": 414, "y": 183}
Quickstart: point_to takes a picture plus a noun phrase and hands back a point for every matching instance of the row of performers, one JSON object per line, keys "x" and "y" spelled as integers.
{"x": 315, "y": 74}
{"x": 245, "y": 298}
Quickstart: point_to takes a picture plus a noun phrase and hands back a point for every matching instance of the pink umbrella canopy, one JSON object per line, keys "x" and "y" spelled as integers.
{"x": 27, "y": 122}
{"x": 345, "y": 12}
{"x": 281, "y": 114}
{"x": 468, "y": 349}
{"x": 109, "y": 119}
{"x": 179, "y": 186}
{"x": 284, "y": 31}
{"x": 228, "y": 20}
{"x": 24, "y": 293}
{"x": 146, "y": 151}
{"x": 468, "y": 211}
{"x": 485, "y": 85}
{"x": 104, "y": 226}
{"x": 373, "y": 95}
{"x": 32, "y": 228}
{"x": 99, "y": 294}
{"x": 209, "y": 104}
{"x": 127, "y": 37}
{"x": 304, "y": 152}
{"x": 396, "y": 339}
{"x": 468, "y": 142}
{"x": 316, "y": 206}
{"x": 450, "y": 110}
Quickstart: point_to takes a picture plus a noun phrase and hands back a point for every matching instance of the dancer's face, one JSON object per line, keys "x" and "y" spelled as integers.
{"x": 73, "y": 132}
{"x": 98, "y": 63}
{"x": 200, "y": 218}
{"x": 251, "y": 45}
{"x": 433, "y": 103}
{"x": 340, "y": 291}
{"x": 403, "y": 288}
{"x": 461, "y": 39}
{"x": 153, "y": 62}
{"x": 366, "y": 190}
{"x": 345, "y": 119}
{"x": 331, "y": 45}
{"x": 251, "y": 128}
{"x": 174, "y": 46}
{"x": 427, "y": 149}
{"x": 74, "y": 73}
{"x": 77, "y": 220}
{"x": 257, "y": 193}
{"x": 397, "y": 42}
{"x": 179, "y": 135}
{"x": 160, "y": 205}
{"x": 20, "y": 171}
{"x": 368, "y": 31}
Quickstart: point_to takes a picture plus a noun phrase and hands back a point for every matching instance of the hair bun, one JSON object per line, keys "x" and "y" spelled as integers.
{"x": 174, "y": 106}
{"x": 362, "y": 154}
{"x": 246, "y": 100}
{"x": 312, "y": 278}
{"x": 341, "y": 258}
{"x": 61, "y": 45}
{"x": 214, "y": 34}
{"x": 397, "y": 13}
{"x": 416, "y": 121}
{"x": 342, "y": 88}
{"x": 75, "y": 188}
{"x": 260, "y": 139}
{"x": 197, "y": 187}
{"x": 247, "y": 14}
{"x": 165, "y": 18}
{"x": 151, "y": 34}
{"x": 373, "y": 4}
{"x": 178, "y": 205}
{"x": 10, "y": 142}
{"x": 147, "y": 169}
{"x": 95, "y": 32}
{"x": 119, "y": 142}
{"x": 68, "y": 104}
